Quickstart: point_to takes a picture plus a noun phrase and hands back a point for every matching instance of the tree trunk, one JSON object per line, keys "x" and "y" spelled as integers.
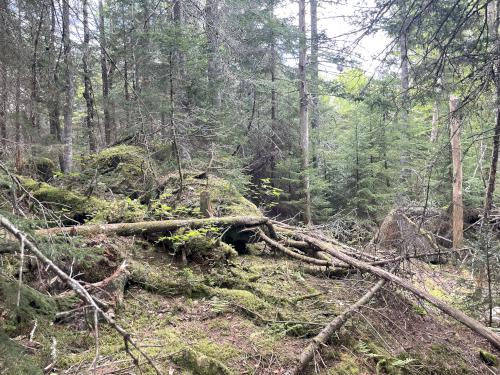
{"x": 17, "y": 104}
{"x": 490, "y": 187}
{"x": 314, "y": 81}
{"x": 54, "y": 100}
{"x": 67, "y": 159}
{"x": 131, "y": 229}
{"x": 456, "y": 155}
{"x": 34, "y": 112}
{"x": 88, "y": 93}
{"x": 104, "y": 76}
{"x": 405, "y": 98}
{"x": 3, "y": 79}
{"x": 303, "y": 119}
{"x": 212, "y": 31}
{"x": 435, "y": 122}
{"x": 173, "y": 127}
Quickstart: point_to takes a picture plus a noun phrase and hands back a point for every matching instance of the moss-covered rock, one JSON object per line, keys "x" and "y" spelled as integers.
{"x": 123, "y": 169}
{"x": 43, "y": 168}
{"x": 81, "y": 208}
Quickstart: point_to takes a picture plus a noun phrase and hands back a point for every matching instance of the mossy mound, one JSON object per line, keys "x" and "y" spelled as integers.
{"x": 74, "y": 206}
{"x": 42, "y": 168}
{"x": 225, "y": 199}
{"x": 123, "y": 169}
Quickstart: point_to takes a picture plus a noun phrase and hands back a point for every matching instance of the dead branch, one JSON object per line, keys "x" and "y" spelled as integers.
{"x": 327, "y": 332}
{"x": 304, "y": 258}
{"x": 473, "y": 324}
{"x": 73, "y": 284}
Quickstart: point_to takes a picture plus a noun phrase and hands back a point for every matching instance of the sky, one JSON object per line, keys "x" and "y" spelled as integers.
{"x": 333, "y": 19}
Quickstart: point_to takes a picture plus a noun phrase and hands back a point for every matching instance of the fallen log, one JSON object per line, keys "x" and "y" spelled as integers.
{"x": 473, "y": 324}
{"x": 130, "y": 229}
{"x": 304, "y": 258}
{"x": 327, "y": 332}
{"x": 82, "y": 293}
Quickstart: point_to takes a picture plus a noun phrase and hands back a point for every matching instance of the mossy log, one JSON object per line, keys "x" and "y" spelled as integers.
{"x": 131, "y": 229}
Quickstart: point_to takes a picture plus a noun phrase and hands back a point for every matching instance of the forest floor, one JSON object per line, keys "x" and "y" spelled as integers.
{"x": 222, "y": 312}
{"x": 255, "y": 314}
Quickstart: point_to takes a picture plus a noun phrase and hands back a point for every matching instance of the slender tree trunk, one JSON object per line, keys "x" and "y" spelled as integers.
{"x": 88, "y": 93}
{"x": 212, "y": 31}
{"x": 54, "y": 100}
{"x": 173, "y": 127}
{"x": 314, "y": 81}
{"x": 456, "y": 155}
{"x": 104, "y": 76}
{"x": 435, "y": 122}
{"x": 17, "y": 111}
{"x": 303, "y": 118}
{"x": 3, "y": 78}
{"x": 3, "y": 106}
{"x": 490, "y": 187}
{"x": 34, "y": 112}
{"x": 405, "y": 100}
{"x": 67, "y": 164}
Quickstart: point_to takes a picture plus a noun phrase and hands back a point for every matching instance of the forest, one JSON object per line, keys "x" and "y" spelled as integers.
{"x": 249, "y": 187}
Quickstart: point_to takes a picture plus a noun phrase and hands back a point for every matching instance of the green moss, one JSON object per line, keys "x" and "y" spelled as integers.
{"x": 221, "y": 352}
{"x": 419, "y": 310}
{"x": 200, "y": 364}
{"x": 167, "y": 280}
{"x": 13, "y": 359}
{"x": 244, "y": 299}
{"x": 488, "y": 358}
{"x": 33, "y": 305}
{"x": 347, "y": 365}
{"x": 82, "y": 208}
{"x": 43, "y": 168}
{"x": 122, "y": 169}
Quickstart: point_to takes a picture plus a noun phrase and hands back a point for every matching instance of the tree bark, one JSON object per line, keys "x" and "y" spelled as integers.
{"x": 130, "y": 229}
{"x": 67, "y": 159}
{"x": 303, "y": 118}
{"x": 104, "y": 76}
{"x": 88, "y": 93}
{"x": 473, "y": 324}
{"x": 456, "y": 155}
